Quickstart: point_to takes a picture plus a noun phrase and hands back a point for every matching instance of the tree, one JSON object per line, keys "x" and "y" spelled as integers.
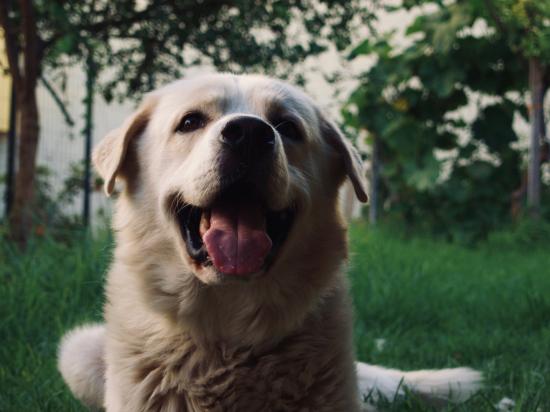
{"x": 440, "y": 171}
{"x": 524, "y": 24}
{"x": 150, "y": 42}
{"x": 25, "y": 74}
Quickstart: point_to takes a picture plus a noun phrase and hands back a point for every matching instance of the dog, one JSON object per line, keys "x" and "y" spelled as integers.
{"x": 227, "y": 289}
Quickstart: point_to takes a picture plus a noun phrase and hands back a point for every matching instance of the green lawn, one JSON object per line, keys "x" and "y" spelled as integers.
{"x": 440, "y": 305}
{"x": 43, "y": 293}
{"x": 434, "y": 305}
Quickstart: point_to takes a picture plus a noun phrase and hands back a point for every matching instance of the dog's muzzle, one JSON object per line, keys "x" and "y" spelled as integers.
{"x": 237, "y": 232}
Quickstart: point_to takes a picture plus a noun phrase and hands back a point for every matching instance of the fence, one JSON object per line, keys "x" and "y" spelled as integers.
{"x": 62, "y": 146}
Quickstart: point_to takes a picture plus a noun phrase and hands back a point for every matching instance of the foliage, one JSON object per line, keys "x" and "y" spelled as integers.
{"x": 52, "y": 216}
{"x": 522, "y": 23}
{"x": 526, "y": 234}
{"x": 452, "y": 176}
{"x": 144, "y": 44}
{"x": 525, "y": 23}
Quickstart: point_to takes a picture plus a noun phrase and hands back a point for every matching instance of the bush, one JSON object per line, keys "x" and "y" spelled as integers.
{"x": 526, "y": 233}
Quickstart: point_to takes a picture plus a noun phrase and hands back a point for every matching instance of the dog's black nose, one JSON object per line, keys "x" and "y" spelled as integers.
{"x": 248, "y": 135}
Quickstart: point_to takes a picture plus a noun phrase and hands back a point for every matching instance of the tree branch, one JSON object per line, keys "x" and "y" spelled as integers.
{"x": 121, "y": 22}
{"x": 11, "y": 43}
{"x": 493, "y": 12}
{"x": 57, "y": 99}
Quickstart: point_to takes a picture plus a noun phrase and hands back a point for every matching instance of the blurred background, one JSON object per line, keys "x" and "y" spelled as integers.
{"x": 446, "y": 101}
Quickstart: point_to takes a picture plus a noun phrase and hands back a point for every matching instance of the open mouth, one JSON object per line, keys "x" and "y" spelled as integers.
{"x": 237, "y": 234}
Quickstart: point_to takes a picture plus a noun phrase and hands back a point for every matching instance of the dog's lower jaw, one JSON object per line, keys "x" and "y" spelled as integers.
{"x": 269, "y": 306}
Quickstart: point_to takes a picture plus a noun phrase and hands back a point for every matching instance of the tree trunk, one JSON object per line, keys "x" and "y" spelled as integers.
{"x": 23, "y": 205}
{"x": 537, "y": 124}
{"x": 24, "y": 59}
{"x": 519, "y": 195}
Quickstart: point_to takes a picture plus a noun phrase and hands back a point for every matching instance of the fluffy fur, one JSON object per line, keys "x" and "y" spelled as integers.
{"x": 180, "y": 336}
{"x": 81, "y": 363}
{"x": 436, "y": 387}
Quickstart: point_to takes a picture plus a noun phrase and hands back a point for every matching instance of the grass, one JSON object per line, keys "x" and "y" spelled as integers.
{"x": 433, "y": 305}
{"x": 42, "y": 294}
{"x": 439, "y": 305}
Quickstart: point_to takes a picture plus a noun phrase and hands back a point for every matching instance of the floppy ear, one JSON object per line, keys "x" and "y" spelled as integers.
{"x": 109, "y": 155}
{"x": 353, "y": 164}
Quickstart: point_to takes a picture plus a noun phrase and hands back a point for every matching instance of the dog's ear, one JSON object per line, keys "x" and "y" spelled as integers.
{"x": 353, "y": 164}
{"x": 109, "y": 155}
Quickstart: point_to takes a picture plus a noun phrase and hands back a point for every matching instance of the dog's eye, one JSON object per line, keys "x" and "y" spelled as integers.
{"x": 191, "y": 122}
{"x": 289, "y": 130}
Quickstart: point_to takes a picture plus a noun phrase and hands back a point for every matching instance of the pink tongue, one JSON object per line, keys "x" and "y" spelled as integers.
{"x": 236, "y": 240}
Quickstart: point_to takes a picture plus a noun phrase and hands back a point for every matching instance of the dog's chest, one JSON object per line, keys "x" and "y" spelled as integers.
{"x": 291, "y": 377}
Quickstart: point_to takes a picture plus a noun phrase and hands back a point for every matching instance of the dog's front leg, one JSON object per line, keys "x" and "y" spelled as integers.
{"x": 113, "y": 393}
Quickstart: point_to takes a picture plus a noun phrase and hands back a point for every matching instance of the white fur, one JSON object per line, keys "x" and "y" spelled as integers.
{"x": 435, "y": 386}
{"x": 81, "y": 363}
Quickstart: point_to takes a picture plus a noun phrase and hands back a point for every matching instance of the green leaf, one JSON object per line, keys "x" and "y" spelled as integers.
{"x": 423, "y": 177}
{"x": 494, "y": 127}
{"x": 67, "y": 44}
{"x": 365, "y": 47}
{"x": 480, "y": 170}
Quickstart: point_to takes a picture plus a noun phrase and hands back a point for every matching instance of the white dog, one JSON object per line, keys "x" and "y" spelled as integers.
{"x": 227, "y": 290}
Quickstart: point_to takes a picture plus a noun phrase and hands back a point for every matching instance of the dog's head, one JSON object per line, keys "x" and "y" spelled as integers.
{"x": 240, "y": 174}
